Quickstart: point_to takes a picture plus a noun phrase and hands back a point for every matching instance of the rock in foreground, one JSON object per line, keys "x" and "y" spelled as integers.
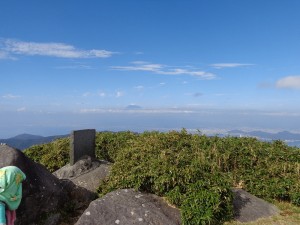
{"x": 44, "y": 195}
{"x": 128, "y": 207}
{"x": 249, "y": 208}
{"x": 86, "y": 172}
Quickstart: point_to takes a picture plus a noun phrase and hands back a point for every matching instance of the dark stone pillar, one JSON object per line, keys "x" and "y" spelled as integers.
{"x": 82, "y": 143}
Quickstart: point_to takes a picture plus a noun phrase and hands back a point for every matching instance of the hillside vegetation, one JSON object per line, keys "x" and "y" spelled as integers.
{"x": 192, "y": 171}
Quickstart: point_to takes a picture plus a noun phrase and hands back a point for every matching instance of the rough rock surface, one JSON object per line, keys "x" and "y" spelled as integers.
{"x": 43, "y": 193}
{"x": 86, "y": 172}
{"x": 249, "y": 208}
{"x": 128, "y": 207}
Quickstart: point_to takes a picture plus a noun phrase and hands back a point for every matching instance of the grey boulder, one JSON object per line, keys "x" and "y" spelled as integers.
{"x": 86, "y": 172}
{"x": 44, "y": 195}
{"x": 249, "y": 208}
{"x": 128, "y": 207}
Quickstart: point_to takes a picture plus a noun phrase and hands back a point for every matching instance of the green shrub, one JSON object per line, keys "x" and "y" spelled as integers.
{"x": 173, "y": 165}
{"x": 108, "y": 144}
{"x": 53, "y": 155}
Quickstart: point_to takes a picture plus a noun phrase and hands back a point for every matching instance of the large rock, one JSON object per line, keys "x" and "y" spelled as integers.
{"x": 128, "y": 207}
{"x": 249, "y": 208}
{"x": 43, "y": 193}
{"x": 86, "y": 172}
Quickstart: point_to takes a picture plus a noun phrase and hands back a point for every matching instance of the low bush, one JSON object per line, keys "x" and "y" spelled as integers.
{"x": 52, "y": 155}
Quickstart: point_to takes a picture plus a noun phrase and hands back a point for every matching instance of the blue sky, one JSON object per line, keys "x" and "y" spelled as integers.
{"x": 117, "y": 65}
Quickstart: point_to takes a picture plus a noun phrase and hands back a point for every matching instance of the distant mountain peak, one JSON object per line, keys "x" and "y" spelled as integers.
{"x": 27, "y": 137}
{"x": 24, "y": 141}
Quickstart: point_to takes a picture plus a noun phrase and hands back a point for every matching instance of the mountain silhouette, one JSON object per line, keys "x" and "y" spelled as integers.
{"x": 24, "y": 141}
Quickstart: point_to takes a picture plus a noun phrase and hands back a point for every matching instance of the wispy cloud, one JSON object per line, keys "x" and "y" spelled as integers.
{"x": 119, "y": 94}
{"x": 5, "y": 55}
{"x": 139, "y": 87}
{"x": 22, "y": 109}
{"x": 289, "y": 82}
{"x": 60, "y": 50}
{"x": 79, "y": 66}
{"x": 163, "y": 69}
{"x": 137, "y": 110}
{"x": 102, "y": 94}
{"x": 138, "y": 53}
{"x": 229, "y": 65}
{"x": 11, "y": 96}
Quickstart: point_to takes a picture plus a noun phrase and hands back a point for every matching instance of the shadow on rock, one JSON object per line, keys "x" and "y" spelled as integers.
{"x": 249, "y": 208}
{"x": 44, "y": 195}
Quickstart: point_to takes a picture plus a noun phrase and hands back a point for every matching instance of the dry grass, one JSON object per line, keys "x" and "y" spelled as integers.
{"x": 290, "y": 215}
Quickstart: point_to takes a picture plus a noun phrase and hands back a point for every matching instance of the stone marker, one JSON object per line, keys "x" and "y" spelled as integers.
{"x": 82, "y": 143}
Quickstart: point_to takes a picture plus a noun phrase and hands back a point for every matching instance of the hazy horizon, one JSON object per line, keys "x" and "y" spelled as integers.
{"x": 210, "y": 121}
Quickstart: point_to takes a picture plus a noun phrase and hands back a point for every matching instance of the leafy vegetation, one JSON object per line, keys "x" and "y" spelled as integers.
{"x": 53, "y": 155}
{"x": 193, "y": 171}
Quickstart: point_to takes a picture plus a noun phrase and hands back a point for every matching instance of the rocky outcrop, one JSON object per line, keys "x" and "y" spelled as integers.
{"x": 249, "y": 208}
{"x": 86, "y": 172}
{"x": 128, "y": 207}
{"x": 44, "y": 195}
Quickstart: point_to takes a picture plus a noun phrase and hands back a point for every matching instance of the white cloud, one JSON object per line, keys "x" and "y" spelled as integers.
{"x": 3, "y": 55}
{"x": 94, "y": 94}
{"x": 229, "y": 65}
{"x": 289, "y": 82}
{"x": 10, "y": 96}
{"x": 140, "y": 67}
{"x": 102, "y": 94}
{"x": 137, "y": 110}
{"x": 163, "y": 69}
{"x": 22, "y": 109}
{"x": 83, "y": 67}
{"x": 60, "y": 50}
{"x": 86, "y": 94}
{"x": 119, "y": 94}
{"x": 139, "y": 87}
{"x": 138, "y": 53}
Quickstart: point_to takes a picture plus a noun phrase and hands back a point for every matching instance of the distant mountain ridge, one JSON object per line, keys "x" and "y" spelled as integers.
{"x": 292, "y": 139}
{"x": 24, "y": 141}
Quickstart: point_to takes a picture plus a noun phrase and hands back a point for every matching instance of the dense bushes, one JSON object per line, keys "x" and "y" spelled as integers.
{"x": 53, "y": 155}
{"x": 172, "y": 165}
{"x": 194, "y": 172}
{"x": 108, "y": 144}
